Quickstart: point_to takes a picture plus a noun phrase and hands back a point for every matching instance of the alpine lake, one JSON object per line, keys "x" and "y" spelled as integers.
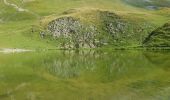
{"x": 85, "y": 75}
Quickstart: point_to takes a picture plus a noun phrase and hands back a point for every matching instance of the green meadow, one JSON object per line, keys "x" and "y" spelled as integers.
{"x": 15, "y": 26}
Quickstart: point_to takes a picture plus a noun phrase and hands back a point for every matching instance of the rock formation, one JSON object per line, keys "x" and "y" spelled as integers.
{"x": 99, "y": 28}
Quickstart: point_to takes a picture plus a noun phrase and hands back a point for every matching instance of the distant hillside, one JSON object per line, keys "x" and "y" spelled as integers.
{"x": 149, "y": 4}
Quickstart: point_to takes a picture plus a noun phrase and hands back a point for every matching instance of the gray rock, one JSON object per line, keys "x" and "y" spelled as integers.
{"x": 73, "y": 33}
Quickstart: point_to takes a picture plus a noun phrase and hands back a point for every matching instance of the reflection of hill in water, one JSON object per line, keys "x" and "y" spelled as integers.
{"x": 90, "y": 65}
{"x": 101, "y": 66}
{"x": 159, "y": 58}
{"x": 111, "y": 75}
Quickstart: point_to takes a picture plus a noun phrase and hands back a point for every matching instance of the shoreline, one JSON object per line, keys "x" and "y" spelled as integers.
{"x": 13, "y": 50}
{"x": 20, "y": 50}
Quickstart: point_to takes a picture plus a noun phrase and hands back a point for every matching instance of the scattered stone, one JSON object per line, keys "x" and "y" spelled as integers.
{"x": 72, "y": 33}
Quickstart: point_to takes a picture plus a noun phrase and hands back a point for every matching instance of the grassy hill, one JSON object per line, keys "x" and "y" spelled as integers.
{"x": 16, "y": 26}
{"x": 91, "y": 28}
{"x": 159, "y": 37}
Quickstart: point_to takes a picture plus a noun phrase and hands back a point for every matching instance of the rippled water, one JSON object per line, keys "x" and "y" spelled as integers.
{"x": 85, "y": 75}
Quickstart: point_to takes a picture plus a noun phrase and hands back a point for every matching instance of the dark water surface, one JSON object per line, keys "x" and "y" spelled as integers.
{"x": 85, "y": 75}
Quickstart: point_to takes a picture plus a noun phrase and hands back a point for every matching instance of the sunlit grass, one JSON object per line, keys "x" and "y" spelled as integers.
{"x": 14, "y": 23}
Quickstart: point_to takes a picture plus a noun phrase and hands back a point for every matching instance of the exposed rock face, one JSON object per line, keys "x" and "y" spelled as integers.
{"x": 64, "y": 26}
{"x": 159, "y": 38}
{"x": 72, "y": 33}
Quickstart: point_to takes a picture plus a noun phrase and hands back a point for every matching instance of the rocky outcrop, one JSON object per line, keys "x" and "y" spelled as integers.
{"x": 96, "y": 29}
{"x": 125, "y": 31}
{"x": 159, "y": 37}
{"x": 72, "y": 33}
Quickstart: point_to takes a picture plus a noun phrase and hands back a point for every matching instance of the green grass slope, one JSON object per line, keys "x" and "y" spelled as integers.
{"x": 16, "y": 26}
{"x": 159, "y": 37}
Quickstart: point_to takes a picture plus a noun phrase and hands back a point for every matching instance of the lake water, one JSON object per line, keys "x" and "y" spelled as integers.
{"x": 85, "y": 75}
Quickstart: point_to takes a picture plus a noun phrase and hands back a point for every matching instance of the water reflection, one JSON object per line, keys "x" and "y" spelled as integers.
{"x": 103, "y": 66}
{"x": 159, "y": 58}
{"x": 97, "y": 75}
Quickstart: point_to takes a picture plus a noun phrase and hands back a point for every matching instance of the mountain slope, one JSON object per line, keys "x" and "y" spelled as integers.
{"x": 16, "y": 26}
{"x": 159, "y": 37}
{"x": 91, "y": 28}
